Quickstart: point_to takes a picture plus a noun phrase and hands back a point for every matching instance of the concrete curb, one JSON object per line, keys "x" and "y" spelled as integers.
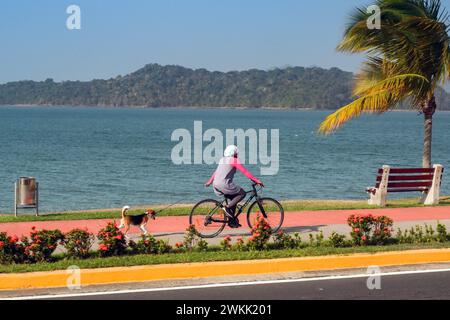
{"x": 215, "y": 269}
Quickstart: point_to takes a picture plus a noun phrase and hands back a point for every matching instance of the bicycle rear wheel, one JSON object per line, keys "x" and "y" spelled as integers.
{"x": 208, "y": 218}
{"x": 270, "y": 209}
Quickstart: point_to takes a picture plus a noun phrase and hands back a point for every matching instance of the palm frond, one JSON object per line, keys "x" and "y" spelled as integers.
{"x": 378, "y": 102}
{"x": 412, "y": 83}
{"x": 374, "y": 70}
{"x": 378, "y": 98}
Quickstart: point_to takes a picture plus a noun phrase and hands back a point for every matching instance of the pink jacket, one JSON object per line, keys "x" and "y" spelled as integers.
{"x": 235, "y": 163}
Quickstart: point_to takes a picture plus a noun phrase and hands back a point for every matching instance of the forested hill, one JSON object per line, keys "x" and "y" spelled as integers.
{"x": 175, "y": 86}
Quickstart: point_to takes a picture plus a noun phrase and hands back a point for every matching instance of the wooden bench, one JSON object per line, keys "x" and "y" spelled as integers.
{"x": 396, "y": 180}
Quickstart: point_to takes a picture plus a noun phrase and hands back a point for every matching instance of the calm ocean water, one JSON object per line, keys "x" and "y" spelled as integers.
{"x": 88, "y": 158}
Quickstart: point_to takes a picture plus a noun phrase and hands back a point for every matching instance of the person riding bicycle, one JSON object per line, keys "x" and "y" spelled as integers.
{"x": 222, "y": 181}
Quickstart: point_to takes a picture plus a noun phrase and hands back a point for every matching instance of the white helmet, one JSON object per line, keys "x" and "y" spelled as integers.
{"x": 231, "y": 151}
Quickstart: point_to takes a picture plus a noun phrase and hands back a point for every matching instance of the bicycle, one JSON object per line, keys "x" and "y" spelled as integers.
{"x": 210, "y": 217}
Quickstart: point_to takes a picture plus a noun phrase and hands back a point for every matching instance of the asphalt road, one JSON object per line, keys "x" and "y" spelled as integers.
{"x": 426, "y": 285}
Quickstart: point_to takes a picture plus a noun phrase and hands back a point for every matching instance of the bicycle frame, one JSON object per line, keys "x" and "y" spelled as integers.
{"x": 240, "y": 208}
{"x": 253, "y": 195}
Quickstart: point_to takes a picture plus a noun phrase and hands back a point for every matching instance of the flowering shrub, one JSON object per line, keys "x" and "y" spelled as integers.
{"x": 382, "y": 230}
{"x": 192, "y": 241}
{"x": 368, "y": 229}
{"x": 419, "y": 234}
{"x": 162, "y": 247}
{"x": 316, "y": 240}
{"x": 202, "y": 245}
{"x": 191, "y": 238}
{"x": 146, "y": 245}
{"x": 361, "y": 228}
{"x": 11, "y": 251}
{"x": 338, "y": 240}
{"x": 179, "y": 245}
{"x": 442, "y": 235}
{"x": 261, "y": 233}
{"x": 78, "y": 242}
{"x": 112, "y": 241}
{"x": 225, "y": 244}
{"x": 416, "y": 235}
{"x": 283, "y": 240}
{"x": 41, "y": 244}
{"x": 149, "y": 245}
{"x": 240, "y": 245}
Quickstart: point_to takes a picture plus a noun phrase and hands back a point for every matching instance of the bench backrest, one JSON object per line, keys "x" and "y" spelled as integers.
{"x": 407, "y": 179}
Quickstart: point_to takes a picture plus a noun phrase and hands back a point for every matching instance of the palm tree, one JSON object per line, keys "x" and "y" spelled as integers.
{"x": 408, "y": 58}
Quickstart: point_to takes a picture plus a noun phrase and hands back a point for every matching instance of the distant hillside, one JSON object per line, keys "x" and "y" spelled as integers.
{"x": 174, "y": 86}
{"x": 443, "y": 99}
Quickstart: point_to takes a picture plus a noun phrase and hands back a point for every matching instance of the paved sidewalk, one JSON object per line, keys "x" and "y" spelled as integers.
{"x": 304, "y": 222}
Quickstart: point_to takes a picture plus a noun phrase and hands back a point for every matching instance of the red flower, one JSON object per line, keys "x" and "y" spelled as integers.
{"x": 102, "y": 247}
{"x": 364, "y": 238}
{"x": 2, "y": 244}
{"x": 119, "y": 237}
{"x": 14, "y": 239}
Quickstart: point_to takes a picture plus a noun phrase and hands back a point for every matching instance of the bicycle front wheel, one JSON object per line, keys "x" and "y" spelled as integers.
{"x": 208, "y": 218}
{"x": 270, "y": 209}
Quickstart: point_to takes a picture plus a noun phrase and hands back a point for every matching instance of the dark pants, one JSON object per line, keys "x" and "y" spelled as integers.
{"x": 234, "y": 200}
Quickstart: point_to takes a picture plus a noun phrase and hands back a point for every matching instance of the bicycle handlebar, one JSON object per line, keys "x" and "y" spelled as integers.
{"x": 254, "y": 187}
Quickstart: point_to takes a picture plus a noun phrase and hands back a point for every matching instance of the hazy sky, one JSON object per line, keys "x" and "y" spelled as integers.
{"x": 118, "y": 37}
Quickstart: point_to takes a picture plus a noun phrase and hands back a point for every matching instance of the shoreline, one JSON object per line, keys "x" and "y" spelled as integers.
{"x": 299, "y": 109}
{"x": 161, "y": 107}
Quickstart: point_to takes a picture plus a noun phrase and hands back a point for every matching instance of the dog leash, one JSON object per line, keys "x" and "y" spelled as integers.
{"x": 168, "y": 207}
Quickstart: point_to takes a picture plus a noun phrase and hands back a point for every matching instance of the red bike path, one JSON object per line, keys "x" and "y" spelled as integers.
{"x": 173, "y": 225}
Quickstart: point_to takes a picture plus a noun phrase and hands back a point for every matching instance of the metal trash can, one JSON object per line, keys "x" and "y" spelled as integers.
{"x": 26, "y": 194}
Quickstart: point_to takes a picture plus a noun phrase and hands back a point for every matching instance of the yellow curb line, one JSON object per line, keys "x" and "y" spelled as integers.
{"x": 215, "y": 269}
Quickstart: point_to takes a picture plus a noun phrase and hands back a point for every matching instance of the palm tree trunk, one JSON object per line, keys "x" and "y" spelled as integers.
{"x": 428, "y": 109}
